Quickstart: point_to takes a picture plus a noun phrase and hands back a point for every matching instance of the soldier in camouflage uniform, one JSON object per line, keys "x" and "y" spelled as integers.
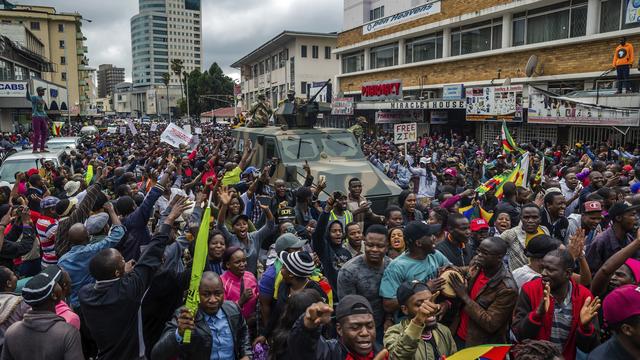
{"x": 358, "y": 128}
{"x": 260, "y": 112}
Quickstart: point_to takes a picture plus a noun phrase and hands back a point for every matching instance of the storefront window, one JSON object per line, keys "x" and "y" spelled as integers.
{"x": 616, "y": 15}
{"x": 353, "y": 62}
{"x": 478, "y": 37}
{"x": 424, "y": 48}
{"x": 554, "y": 22}
{"x": 384, "y": 56}
{"x": 5, "y": 70}
{"x": 20, "y": 73}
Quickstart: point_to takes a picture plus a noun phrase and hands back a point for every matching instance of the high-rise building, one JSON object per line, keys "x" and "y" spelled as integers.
{"x": 108, "y": 77}
{"x": 162, "y": 31}
{"x": 63, "y": 44}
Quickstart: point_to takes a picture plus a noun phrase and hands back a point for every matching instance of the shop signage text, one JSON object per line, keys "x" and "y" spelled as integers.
{"x": 385, "y": 22}
{"x": 382, "y": 90}
{"x": 392, "y": 117}
{"x": 428, "y": 104}
{"x": 405, "y": 133}
{"x": 453, "y": 92}
{"x": 13, "y": 89}
{"x": 342, "y": 106}
{"x": 546, "y": 108}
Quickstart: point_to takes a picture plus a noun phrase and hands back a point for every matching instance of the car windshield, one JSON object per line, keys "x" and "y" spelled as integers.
{"x": 10, "y": 168}
{"x": 59, "y": 144}
{"x": 309, "y": 147}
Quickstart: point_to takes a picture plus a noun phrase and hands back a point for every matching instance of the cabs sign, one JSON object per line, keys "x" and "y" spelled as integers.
{"x": 13, "y": 89}
{"x": 405, "y": 133}
{"x": 382, "y": 90}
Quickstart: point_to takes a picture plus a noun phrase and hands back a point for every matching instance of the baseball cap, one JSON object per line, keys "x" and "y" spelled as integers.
{"x": 592, "y": 206}
{"x": 250, "y": 170}
{"x": 286, "y": 213}
{"x": 620, "y": 208}
{"x": 49, "y": 202}
{"x": 627, "y": 168}
{"x": 95, "y": 223}
{"x": 634, "y": 266}
{"x": 451, "y": 172}
{"x": 635, "y": 188}
{"x": 64, "y": 206}
{"x": 239, "y": 217}
{"x": 478, "y": 224}
{"x": 288, "y": 241}
{"x": 621, "y": 304}
{"x": 417, "y": 229}
{"x": 39, "y": 288}
{"x": 407, "y": 289}
{"x": 352, "y": 305}
{"x": 540, "y": 245}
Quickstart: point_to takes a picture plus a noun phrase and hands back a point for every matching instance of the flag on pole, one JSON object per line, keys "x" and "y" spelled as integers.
{"x": 475, "y": 211}
{"x": 199, "y": 260}
{"x": 519, "y": 176}
{"x": 508, "y": 144}
{"x": 57, "y": 128}
{"x": 522, "y": 177}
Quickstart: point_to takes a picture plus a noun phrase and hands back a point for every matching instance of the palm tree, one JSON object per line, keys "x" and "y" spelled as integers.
{"x": 165, "y": 80}
{"x": 176, "y": 67}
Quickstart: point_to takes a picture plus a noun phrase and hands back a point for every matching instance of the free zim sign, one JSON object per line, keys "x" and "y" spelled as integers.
{"x": 405, "y": 133}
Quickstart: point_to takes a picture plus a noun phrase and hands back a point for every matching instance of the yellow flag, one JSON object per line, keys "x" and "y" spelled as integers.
{"x": 199, "y": 260}
{"x": 89, "y": 175}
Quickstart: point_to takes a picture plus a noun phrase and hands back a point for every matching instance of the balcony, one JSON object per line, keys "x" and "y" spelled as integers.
{"x": 81, "y": 50}
{"x": 80, "y": 36}
{"x": 606, "y": 97}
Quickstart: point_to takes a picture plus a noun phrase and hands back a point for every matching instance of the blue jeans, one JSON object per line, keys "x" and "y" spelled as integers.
{"x": 623, "y": 77}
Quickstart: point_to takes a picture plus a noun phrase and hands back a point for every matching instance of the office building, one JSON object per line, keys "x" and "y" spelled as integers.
{"x": 162, "y": 31}
{"x": 292, "y": 60}
{"x": 62, "y": 44}
{"x": 465, "y": 66}
{"x": 108, "y": 77}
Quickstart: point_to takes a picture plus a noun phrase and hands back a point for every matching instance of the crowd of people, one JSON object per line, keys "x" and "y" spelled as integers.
{"x": 96, "y": 254}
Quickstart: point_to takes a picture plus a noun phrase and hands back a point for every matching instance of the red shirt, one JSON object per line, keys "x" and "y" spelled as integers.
{"x": 481, "y": 281}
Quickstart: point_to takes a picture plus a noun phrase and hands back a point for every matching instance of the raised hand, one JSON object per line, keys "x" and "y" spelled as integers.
{"x": 317, "y": 314}
{"x": 576, "y": 244}
{"x": 224, "y": 195}
{"x": 427, "y": 309}
{"x": 589, "y": 310}
{"x": 546, "y": 301}
{"x": 459, "y": 287}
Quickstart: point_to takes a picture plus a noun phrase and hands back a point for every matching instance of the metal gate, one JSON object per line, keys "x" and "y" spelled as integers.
{"x": 521, "y": 133}
{"x": 599, "y": 134}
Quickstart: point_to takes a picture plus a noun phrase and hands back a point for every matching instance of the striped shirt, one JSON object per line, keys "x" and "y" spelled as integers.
{"x": 46, "y": 229}
{"x": 562, "y": 318}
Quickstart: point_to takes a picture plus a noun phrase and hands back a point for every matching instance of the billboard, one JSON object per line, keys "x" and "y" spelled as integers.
{"x": 494, "y": 103}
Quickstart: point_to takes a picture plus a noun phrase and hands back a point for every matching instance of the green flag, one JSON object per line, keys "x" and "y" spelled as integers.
{"x": 197, "y": 267}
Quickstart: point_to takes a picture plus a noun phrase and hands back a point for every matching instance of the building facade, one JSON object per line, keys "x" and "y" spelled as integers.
{"x": 108, "y": 77}
{"x": 62, "y": 44}
{"x": 515, "y": 49}
{"x": 299, "y": 61}
{"x": 129, "y": 100}
{"x": 162, "y": 31}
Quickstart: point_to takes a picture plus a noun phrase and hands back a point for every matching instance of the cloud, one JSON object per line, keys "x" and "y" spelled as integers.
{"x": 231, "y": 28}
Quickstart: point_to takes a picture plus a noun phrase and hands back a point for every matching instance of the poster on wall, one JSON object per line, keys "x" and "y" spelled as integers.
{"x": 633, "y": 12}
{"x": 548, "y": 108}
{"x": 342, "y": 106}
{"x": 494, "y": 103}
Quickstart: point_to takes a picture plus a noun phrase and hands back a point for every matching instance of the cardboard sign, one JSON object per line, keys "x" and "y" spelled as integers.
{"x": 405, "y": 133}
{"x": 154, "y": 127}
{"x": 198, "y": 131}
{"x": 175, "y": 136}
{"x": 132, "y": 127}
{"x": 112, "y": 129}
{"x": 123, "y": 130}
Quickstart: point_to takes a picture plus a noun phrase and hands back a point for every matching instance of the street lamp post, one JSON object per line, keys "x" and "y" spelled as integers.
{"x": 168, "y": 105}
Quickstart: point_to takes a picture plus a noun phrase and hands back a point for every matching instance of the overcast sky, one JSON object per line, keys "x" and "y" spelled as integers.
{"x": 231, "y": 28}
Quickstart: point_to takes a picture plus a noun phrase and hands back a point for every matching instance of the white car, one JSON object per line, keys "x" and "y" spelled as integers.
{"x": 65, "y": 142}
{"x": 24, "y": 160}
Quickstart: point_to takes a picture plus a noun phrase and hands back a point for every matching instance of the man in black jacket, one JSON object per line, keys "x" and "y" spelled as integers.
{"x": 456, "y": 246}
{"x": 111, "y": 306}
{"x": 218, "y": 327}
{"x": 355, "y": 326}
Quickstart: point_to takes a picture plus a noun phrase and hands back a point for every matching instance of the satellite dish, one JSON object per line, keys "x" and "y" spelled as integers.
{"x": 532, "y": 65}
{"x": 507, "y": 81}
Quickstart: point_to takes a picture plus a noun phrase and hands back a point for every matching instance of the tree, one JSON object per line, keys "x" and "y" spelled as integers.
{"x": 210, "y": 82}
{"x": 176, "y": 67}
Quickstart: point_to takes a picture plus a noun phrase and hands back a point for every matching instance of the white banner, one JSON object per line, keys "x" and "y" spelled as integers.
{"x": 405, "y": 133}
{"x": 545, "y": 108}
{"x": 13, "y": 89}
{"x": 175, "y": 136}
{"x": 132, "y": 127}
{"x": 385, "y": 22}
{"x": 123, "y": 129}
{"x": 187, "y": 128}
{"x": 198, "y": 131}
{"x": 112, "y": 129}
{"x": 154, "y": 127}
{"x": 342, "y": 106}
